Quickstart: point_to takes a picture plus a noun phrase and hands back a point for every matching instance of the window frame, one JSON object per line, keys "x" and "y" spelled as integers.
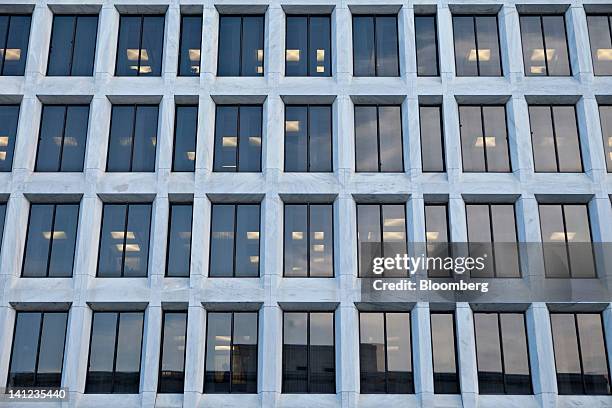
{"x": 263, "y": 60}
{"x": 437, "y": 46}
{"x": 180, "y": 55}
{"x": 442, "y": 134}
{"x": 142, "y": 17}
{"x": 74, "y": 31}
{"x": 331, "y": 60}
{"x": 178, "y": 204}
{"x": 161, "y": 347}
{"x": 27, "y": 47}
{"x": 455, "y": 351}
{"x": 374, "y": 17}
{"x": 307, "y": 106}
{"x": 474, "y": 16}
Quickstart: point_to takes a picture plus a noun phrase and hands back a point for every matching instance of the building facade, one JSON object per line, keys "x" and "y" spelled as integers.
{"x": 137, "y": 270}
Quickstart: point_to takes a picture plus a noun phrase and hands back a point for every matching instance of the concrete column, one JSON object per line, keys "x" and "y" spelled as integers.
{"x": 7, "y": 325}
{"x": 445, "y": 41}
{"x": 15, "y": 227}
{"x": 457, "y": 220}
{"x": 607, "y": 327}
{"x": 165, "y": 135}
{"x": 452, "y": 138}
{"x": 345, "y": 230}
{"x": 600, "y": 214}
{"x": 194, "y": 354}
{"x": 108, "y": 33}
{"x": 528, "y": 229}
{"x": 344, "y": 135}
{"x": 172, "y": 40}
{"x": 519, "y": 135}
{"x": 342, "y": 36}
{"x": 275, "y": 42}
{"x": 98, "y": 134}
{"x": 200, "y": 241}
{"x": 347, "y": 352}
{"x": 468, "y": 368}
{"x": 412, "y": 137}
{"x": 271, "y": 253}
{"x": 26, "y": 140}
{"x": 591, "y": 140}
{"x": 510, "y": 41}
{"x": 158, "y": 240}
{"x": 270, "y": 345}
{"x": 40, "y": 37}
{"x": 416, "y": 228}
{"x": 273, "y": 132}
{"x": 76, "y": 353}
{"x": 210, "y": 38}
{"x": 151, "y": 349}
{"x": 578, "y": 41}
{"x": 405, "y": 32}
{"x": 422, "y": 352}
{"x": 541, "y": 354}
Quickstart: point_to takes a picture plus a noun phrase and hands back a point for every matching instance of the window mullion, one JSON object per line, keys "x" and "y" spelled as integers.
{"x": 125, "y": 232}
{"x": 142, "y": 19}
{"x": 40, "y": 328}
{"x": 544, "y": 44}
{"x": 74, "y": 28}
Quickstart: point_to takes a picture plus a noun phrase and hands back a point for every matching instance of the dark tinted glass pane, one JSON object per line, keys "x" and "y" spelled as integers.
{"x": 319, "y": 38}
{"x": 394, "y": 231}
{"x": 9, "y": 115}
{"x": 601, "y": 44}
{"x": 556, "y": 45}
{"x": 496, "y": 139}
{"x": 249, "y": 144}
{"x": 390, "y": 138}
{"x": 504, "y": 236}
{"x": 480, "y": 237}
{"x": 321, "y": 358}
{"x": 244, "y": 353}
{"x": 488, "y": 46}
{"x": 185, "y": 132}
{"x": 466, "y": 60}
{"x": 566, "y": 135}
{"x": 228, "y": 63}
{"x": 172, "y": 367}
{"x": 321, "y": 240}
{"x": 605, "y": 114}
{"x": 4, "y": 26}
{"x": 222, "y": 240}
{"x": 399, "y": 354}
{"x": 432, "y": 143}
{"x": 372, "y": 361}
{"x": 252, "y": 46}
{"x": 218, "y": 346}
{"x": 137, "y": 240}
{"x": 296, "y": 138}
{"x": 542, "y": 138}
{"x": 247, "y": 240}
{"x": 16, "y": 49}
{"x": 387, "y": 61}
{"x": 369, "y": 243}
{"x": 191, "y": 39}
{"x": 295, "y": 352}
{"x": 472, "y": 139}
{"x": 145, "y": 138}
{"x": 2, "y": 217}
{"x": 516, "y": 358}
{"x": 436, "y": 235}
{"x": 127, "y": 364}
{"x": 426, "y": 45}
{"x": 25, "y": 345}
{"x": 578, "y": 235}
{"x": 50, "y": 138}
{"x": 101, "y": 353}
{"x": 533, "y": 46}
{"x": 226, "y": 139}
{"x": 51, "y": 350}
{"x": 121, "y": 138}
{"x": 63, "y": 240}
{"x": 179, "y": 240}
{"x": 60, "y": 52}
{"x": 489, "y": 354}
{"x": 320, "y": 138}
{"x": 38, "y": 242}
{"x": 128, "y": 47}
{"x": 112, "y": 239}
{"x": 554, "y": 239}
{"x": 363, "y": 46}
{"x": 296, "y": 53}
{"x": 296, "y": 240}
{"x": 152, "y": 43}
{"x": 567, "y": 357}
{"x": 593, "y": 353}
{"x": 84, "y": 45}
{"x": 366, "y": 138}
{"x": 75, "y": 138}
{"x": 446, "y": 379}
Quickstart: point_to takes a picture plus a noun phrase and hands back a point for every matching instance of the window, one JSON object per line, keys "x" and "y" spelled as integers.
{"x": 309, "y": 363}
{"x": 426, "y": 38}
{"x": 185, "y": 135}
{"x": 9, "y": 116}
{"x": 605, "y": 114}
{"x": 241, "y": 45}
{"x": 179, "y": 240}
{"x": 309, "y": 240}
{"x": 238, "y": 138}
{"x": 378, "y": 138}
{"x": 385, "y": 354}
{"x": 234, "y": 246}
{"x": 2, "y": 217}
{"x": 492, "y": 235}
{"x": 114, "y": 353}
{"x": 172, "y": 359}
{"x": 580, "y": 353}
{"x": 140, "y": 46}
{"x": 62, "y": 138}
{"x": 601, "y": 43}
{"x": 191, "y": 42}
{"x": 73, "y": 45}
{"x": 372, "y": 243}
{"x": 566, "y": 237}
{"x": 14, "y": 38}
{"x": 554, "y": 135}
{"x": 308, "y": 138}
{"x": 501, "y": 353}
{"x": 51, "y": 240}
{"x": 437, "y": 237}
{"x": 38, "y": 349}
{"x": 432, "y": 138}
{"x": 375, "y": 45}
{"x": 124, "y": 240}
{"x": 484, "y": 139}
{"x": 231, "y": 353}
{"x": 545, "y": 49}
{"x": 476, "y": 45}
{"x": 444, "y": 350}
{"x": 133, "y": 138}
{"x": 308, "y": 46}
